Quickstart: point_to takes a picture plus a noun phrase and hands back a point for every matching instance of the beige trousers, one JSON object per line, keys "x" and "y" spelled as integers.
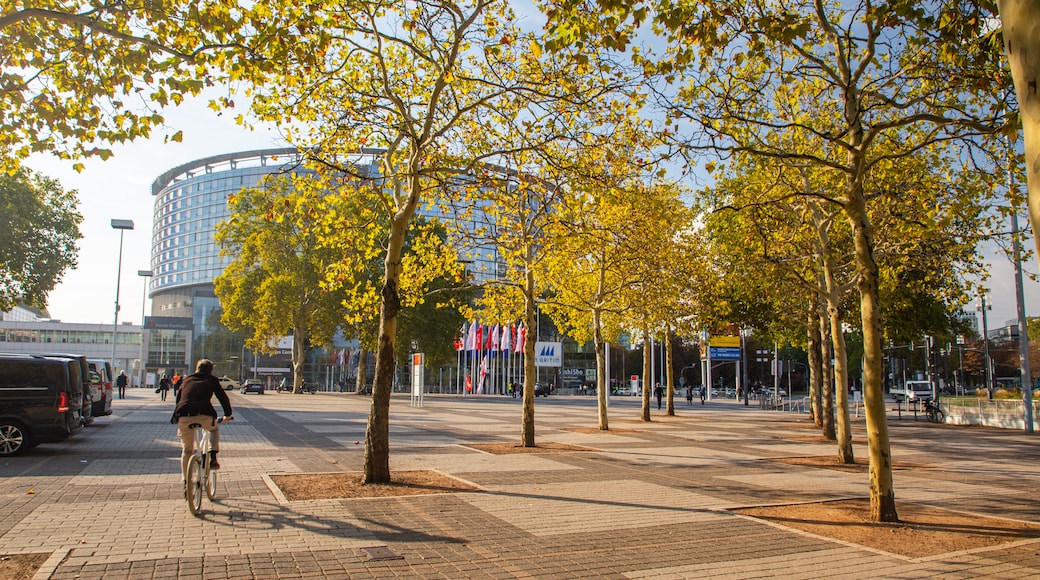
{"x": 188, "y": 437}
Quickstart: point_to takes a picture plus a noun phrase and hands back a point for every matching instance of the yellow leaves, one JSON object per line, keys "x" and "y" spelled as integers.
{"x": 535, "y": 49}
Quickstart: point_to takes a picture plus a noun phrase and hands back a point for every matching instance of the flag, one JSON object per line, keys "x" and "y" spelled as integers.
{"x": 461, "y": 338}
{"x": 521, "y": 337}
{"x": 471, "y": 337}
{"x": 507, "y": 332}
{"x": 483, "y": 375}
{"x": 495, "y": 335}
{"x": 469, "y": 384}
{"x": 478, "y": 344}
{"x": 341, "y": 357}
{"x": 488, "y": 333}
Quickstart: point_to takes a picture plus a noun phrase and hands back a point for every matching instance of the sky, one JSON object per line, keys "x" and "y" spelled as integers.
{"x": 120, "y": 188}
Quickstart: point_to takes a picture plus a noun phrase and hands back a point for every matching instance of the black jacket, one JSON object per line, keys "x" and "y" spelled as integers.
{"x": 196, "y": 394}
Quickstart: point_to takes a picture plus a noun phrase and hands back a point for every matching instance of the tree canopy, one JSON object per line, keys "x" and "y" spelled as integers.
{"x": 39, "y": 227}
{"x": 77, "y": 77}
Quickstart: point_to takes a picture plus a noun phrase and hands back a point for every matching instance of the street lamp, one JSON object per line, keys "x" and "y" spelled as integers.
{"x": 985, "y": 338}
{"x": 145, "y": 275}
{"x": 122, "y": 226}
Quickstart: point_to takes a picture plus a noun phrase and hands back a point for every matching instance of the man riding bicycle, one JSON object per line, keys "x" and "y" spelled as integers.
{"x": 194, "y": 406}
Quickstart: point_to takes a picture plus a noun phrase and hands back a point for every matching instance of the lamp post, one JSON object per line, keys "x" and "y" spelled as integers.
{"x": 122, "y": 226}
{"x": 985, "y": 341}
{"x": 145, "y": 275}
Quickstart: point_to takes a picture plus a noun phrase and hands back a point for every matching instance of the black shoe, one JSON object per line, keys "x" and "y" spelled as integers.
{"x": 213, "y": 460}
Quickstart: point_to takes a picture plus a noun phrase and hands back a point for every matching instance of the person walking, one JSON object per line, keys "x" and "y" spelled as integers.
{"x": 689, "y": 395}
{"x": 194, "y": 405}
{"x": 659, "y": 393}
{"x": 121, "y": 384}
{"x": 164, "y": 387}
{"x": 704, "y": 393}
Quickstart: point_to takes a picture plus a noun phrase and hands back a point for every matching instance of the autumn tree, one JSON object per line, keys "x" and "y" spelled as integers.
{"x": 273, "y": 285}
{"x": 882, "y": 82}
{"x": 1022, "y": 50}
{"x": 39, "y": 226}
{"x": 407, "y": 83}
{"x": 610, "y": 223}
{"x": 76, "y": 78}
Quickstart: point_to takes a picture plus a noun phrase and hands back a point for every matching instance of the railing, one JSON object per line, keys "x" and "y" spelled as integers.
{"x": 1005, "y": 414}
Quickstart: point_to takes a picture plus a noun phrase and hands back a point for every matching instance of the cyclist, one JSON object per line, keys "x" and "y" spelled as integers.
{"x": 194, "y": 405}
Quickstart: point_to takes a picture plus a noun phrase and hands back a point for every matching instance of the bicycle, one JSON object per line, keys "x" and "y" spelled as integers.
{"x": 933, "y": 411}
{"x": 199, "y": 476}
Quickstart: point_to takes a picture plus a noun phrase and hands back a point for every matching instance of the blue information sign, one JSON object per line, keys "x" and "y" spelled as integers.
{"x": 725, "y": 353}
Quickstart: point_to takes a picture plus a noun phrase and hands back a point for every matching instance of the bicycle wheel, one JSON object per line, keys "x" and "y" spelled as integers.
{"x": 936, "y": 415}
{"x": 210, "y": 478}
{"x": 193, "y": 491}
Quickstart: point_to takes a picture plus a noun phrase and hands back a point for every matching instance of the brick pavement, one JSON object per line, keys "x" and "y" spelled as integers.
{"x": 651, "y": 502}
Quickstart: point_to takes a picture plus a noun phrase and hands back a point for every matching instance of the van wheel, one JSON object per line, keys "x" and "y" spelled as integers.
{"x": 13, "y": 438}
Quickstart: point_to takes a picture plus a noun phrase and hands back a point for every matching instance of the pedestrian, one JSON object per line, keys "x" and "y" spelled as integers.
{"x": 689, "y": 395}
{"x": 121, "y": 383}
{"x": 659, "y": 393}
{"x": 704, "y": 393}
{"x": 747, "y": 391}
{"x": 164, "y": 386}
{"x": 176, "y": 383}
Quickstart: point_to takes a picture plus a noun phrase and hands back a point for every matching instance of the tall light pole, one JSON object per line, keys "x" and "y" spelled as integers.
{"x": 122, "y": 226}
{"x": 985, "y": 341}
{"x": 145, "y": 275}
{"x": 1023, "y": 336}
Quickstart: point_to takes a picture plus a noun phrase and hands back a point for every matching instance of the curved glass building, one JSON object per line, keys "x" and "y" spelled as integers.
{"x": 190, "y": 200}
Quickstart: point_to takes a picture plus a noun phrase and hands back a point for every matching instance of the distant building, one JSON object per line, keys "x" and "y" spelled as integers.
{"x": 21, "y": 335}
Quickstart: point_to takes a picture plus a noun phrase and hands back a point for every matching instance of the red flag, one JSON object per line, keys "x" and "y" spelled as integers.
{"x": 469, "y": 384}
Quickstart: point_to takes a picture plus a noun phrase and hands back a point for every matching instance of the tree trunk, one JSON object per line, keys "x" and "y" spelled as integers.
{"x": 601, "y": 368}
{"x": 1021, "y": 22}
{"x": 646, "y": 374}
{"x": 882, "y": 492}
{"x": 841, "y": 382}
{"x": 527, "y": 400}
{"x": 362, "y": 371}
{"x": 668, "y": 367}
{"x": 377, "y": 436}
{"x": 815, "y": 369}
{"x": 827, "y": 354}
{"x": 841, "y": 360}
{"x": 299, "y": 355}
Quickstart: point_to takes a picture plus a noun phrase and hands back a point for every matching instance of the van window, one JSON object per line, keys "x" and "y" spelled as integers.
{"x": 30, "y": 373}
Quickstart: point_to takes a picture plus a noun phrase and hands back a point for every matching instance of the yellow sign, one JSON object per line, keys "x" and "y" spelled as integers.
{"x": 724, "y": 341}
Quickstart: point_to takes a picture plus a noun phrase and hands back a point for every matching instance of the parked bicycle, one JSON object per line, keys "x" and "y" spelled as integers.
{"x": 933, "y": 411}
{"x": 199, "y": 476}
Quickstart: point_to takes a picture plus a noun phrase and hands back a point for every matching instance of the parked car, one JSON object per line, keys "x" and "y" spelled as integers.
{"x": 103, "y": 406}
{"x": 253, "y": 386}
{"x": 82, "y": 372}
{"x": 41, "y": 401}
{"x": 229, "y": 384}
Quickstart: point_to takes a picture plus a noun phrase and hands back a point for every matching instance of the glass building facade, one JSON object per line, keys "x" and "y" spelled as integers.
{"x": 190, "y": 200}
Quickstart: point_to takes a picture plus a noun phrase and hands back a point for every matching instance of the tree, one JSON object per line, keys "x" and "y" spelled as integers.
{"x": 1022, "y": 48}
{"x": 274, "y": 283}
{"x": 611, "y": 224}
{"x": 76, "y": 77}
{"x": 39, "y": 226}
{"x": 890, "y": 84}
{"x": 409, "y": 82}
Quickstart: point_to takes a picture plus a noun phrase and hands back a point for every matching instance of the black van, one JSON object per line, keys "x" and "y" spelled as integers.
{"x": 41, "y": 401}
{"x": 87, "y": 414}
